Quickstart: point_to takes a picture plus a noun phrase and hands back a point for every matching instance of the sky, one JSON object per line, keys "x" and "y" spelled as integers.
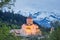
{"x": 37, "y": 5}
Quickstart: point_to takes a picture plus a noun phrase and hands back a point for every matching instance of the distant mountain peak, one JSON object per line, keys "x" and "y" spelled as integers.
{"x": 42, "y": 18}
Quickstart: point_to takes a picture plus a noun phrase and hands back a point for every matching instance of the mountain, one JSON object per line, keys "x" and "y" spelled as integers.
{"x": 43, "y": 18}
{"x": 11, "y": 18}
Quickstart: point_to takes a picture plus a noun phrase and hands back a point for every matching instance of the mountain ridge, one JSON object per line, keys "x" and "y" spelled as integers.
{"x": 44, "y": 18}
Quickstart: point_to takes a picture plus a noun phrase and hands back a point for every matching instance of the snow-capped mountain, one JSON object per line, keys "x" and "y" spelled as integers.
{"x": 42, "y": 18}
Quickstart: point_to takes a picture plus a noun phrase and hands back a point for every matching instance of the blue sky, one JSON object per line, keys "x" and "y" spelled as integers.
{"x": 37, "y": 5}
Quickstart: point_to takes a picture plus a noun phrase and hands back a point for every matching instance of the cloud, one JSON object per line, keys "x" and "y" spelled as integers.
{"x": 37, "y": 5}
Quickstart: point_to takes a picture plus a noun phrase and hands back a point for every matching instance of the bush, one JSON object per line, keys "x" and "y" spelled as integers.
{"x": 55, "y": 35}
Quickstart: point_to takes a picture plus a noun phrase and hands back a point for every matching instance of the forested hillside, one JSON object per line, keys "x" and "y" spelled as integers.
{"x": 9, "y": 20}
